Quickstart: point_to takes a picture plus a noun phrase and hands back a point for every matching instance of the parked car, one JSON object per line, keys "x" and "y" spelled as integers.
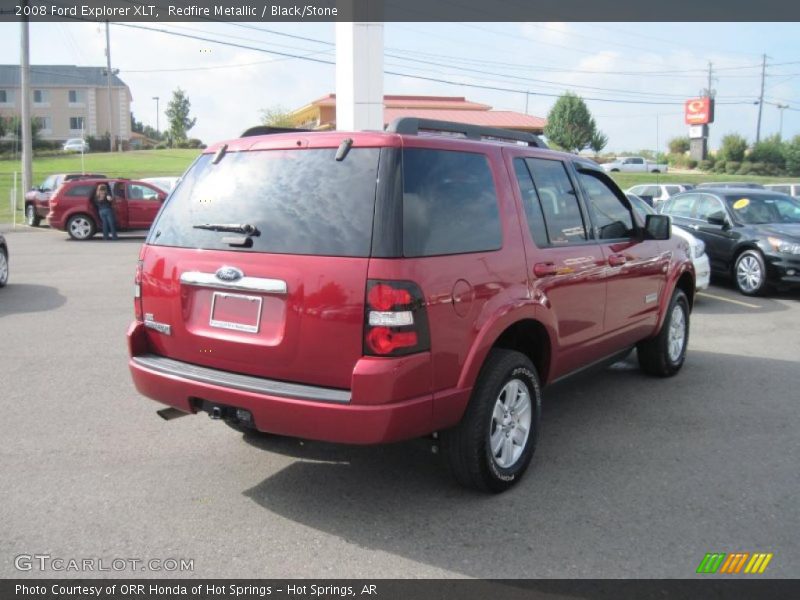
{"x": 3, "y": 261}
{"x": 697, "y": 247}
{"x": 37, "y": 200}
{"x": 76, "y": 145}
{"x": 752, "y": 235}
{"x": 164, "y": 183}
{"x": 792, "y": 189}
{"x": 135, "y": 206}
{"x": 654, "y": 194}
{"x": 633, "y": 164}
{"x": 368, "y": 287}
{"x": 749, "y": 185}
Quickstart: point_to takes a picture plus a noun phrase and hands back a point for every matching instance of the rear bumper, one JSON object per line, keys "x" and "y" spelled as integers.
{"x": 277, "y": 407}
{"x": 702, "y": 272}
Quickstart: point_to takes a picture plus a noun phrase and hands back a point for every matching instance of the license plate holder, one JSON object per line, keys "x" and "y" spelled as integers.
{"x": 237, "y": 312}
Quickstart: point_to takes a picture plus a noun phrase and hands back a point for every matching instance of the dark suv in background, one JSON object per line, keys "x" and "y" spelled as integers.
{"x": 751, "y": 235}
{"x": 378, "y": 286}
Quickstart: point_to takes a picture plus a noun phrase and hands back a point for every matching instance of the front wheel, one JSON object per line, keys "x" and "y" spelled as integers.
{"x": 3, "y": 267}
{"x": 665, "y": 354}
{"x": 751, "y": 273}
{"x": 492, "y": 446}
{"x": 31, "y": 218}
{"x": 81, "y": 227}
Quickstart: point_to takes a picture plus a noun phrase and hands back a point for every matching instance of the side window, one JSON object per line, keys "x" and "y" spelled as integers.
{"x": 681, "y": 206}
{"x": 49, "y": 184}
{"x": 781, "y": 189}
{"x": 707, "y": 205}
{"x": 81, "y": 190}
{"x": 559, "y": 203}
{"x": 530, "y": 203}
{"x": 612, "y": 219}
{"x": 672, "y": 189}
{"x": 141, "y": 192}
{"x": 449, "y": 203}
{"x": 637, "y": 161}
{"x": 638, "y": 190}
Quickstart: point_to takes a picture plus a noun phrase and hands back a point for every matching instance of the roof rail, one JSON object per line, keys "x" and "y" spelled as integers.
{"x": 415, "y": 126}
{"x": 269, "y": 129}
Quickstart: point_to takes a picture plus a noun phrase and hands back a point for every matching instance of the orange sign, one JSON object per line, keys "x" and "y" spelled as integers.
{"x": 699, "y": 111}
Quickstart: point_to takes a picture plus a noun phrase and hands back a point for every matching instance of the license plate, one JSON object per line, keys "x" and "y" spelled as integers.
{"x": 235, "y": 311}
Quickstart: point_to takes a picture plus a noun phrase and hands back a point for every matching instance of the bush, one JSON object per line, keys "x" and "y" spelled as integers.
{"x": 747, "y": 168}
{"x": 691, "y": 163}
{"x": 732, "y": 167}
{"x": 770, "y": 151}
{"x": 792, "y": 154}
{"x": 719, "y": 166}
{"x": 679, "y": 145}
{"x": 705, "y": 165}
{"x": 98, "y": 144}
{"x": 733, "y": 147}
{"x": 161, "y": 146}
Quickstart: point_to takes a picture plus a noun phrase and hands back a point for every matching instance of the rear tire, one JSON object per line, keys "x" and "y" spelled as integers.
{"x": 81, "y": 227}
{"x": 3, "y": 267}
{"x": 665, "y": 354}
{"x": 31, "y": 218}
{"x": 492, "y": 446}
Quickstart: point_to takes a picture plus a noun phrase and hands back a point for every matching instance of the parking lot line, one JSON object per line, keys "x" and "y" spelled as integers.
{"x": 731, "y": 300}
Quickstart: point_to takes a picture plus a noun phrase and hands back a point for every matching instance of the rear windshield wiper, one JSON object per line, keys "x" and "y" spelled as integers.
{"x": 244, "y": 228}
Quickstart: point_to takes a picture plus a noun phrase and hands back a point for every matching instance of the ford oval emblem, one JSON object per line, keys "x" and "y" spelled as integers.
{"x": 229, "y": 274}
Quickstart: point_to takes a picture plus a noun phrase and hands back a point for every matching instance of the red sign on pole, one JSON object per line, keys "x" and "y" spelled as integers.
{"x": 699, "y": 111}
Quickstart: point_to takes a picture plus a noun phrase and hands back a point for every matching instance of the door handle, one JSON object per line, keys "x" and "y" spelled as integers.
{"x": 617, "y": 260}
{"x": 544, "y": 269}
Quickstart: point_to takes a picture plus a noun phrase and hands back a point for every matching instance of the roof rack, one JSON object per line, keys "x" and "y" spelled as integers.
{"x": 269, "y": 129}
{"x": 415, "y": 126}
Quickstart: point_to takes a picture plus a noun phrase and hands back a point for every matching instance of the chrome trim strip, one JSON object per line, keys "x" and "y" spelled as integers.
{"x": 247, "y": 383}
{"x": 245, "y": 284}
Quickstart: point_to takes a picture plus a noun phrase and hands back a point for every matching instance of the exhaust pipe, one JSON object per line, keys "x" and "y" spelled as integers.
{"x": 170, "y": 413}
{"x": 215, "y": 413}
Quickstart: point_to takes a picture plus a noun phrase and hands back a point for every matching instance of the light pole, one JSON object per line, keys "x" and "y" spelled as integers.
{"x": 781, "y": 108}
{"x": 158, "y": 133}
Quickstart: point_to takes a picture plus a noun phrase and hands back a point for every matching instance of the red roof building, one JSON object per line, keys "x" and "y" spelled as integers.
{"x": 321, "y": 113}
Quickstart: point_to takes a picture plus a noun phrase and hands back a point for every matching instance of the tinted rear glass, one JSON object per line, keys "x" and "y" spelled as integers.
{"x": 449, "y": 203}
{"x": 301, "y": 201}
{"x": 81, "y": 190}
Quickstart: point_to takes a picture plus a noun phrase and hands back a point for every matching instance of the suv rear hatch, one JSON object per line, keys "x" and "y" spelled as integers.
{"x": 258, "y": 263}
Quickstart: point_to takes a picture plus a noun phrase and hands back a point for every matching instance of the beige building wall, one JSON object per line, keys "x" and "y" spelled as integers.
{"x": 60, "y": 115}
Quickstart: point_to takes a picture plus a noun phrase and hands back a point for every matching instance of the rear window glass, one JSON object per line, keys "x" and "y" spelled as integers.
{"x": 81, "y": 190}
{"x": 301, "y": 202}
{"x": 449, "y": 203}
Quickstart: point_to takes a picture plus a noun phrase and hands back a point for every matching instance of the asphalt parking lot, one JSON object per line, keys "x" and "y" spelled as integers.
{"x": 633, "y": 477}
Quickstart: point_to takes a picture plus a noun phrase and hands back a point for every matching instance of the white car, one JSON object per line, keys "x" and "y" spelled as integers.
{"x": 164, "y": 183}
{"x": 697, "y": 247}
{"x": 633, "y": 164}
{"x": 792, "y": 189}
{"x": 658, "y": 192}
{"x": 76, "y": 145}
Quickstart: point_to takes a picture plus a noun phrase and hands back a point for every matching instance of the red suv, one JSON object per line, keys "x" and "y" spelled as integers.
{"x": 37, "y": 200}
{"x": 136, "y": 205}
{"x": 377, "y": 286}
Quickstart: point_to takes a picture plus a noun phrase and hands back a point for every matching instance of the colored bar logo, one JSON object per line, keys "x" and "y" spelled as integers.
{"x": 735, "y": 563}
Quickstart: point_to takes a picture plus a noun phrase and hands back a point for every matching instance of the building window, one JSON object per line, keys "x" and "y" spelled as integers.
{"x": 45, "y": 124}
{"x": 76, "y": 96}
{"x": 41, "y": 96}
{"x": 5, "y": 97}
{"x": 76, "y": 123}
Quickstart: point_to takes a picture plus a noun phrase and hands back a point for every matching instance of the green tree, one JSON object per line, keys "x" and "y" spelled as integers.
{"x": 598, "y": 142}
{"x": 770, "y": 150}
{"x": 570, "y": 124}
{"x": 277, "y": 116}
{"x": 136, "y": 126}
{"x": 733, "y": 147}
{"x": 13, "y": 125}
{"x": 679, "y": 145}
{"x": 177, "y": 113}
{"x": 793, "y": 156}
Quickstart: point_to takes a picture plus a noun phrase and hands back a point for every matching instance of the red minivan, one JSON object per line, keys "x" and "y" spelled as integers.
{"x": 377, "y": 286}
{"x": 136, "y": 205}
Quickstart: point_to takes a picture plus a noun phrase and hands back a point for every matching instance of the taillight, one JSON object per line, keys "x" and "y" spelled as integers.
{"x": 395, "y": 319}
{"x": 137, "y": 292}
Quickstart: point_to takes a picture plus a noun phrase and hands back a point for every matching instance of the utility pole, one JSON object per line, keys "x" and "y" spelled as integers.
{"x": 108, "y": 84}
{"x": 157, "y": 129}
{"x": 761, "y": 97}
{"x": 25, "y": 110}
{"x": 527, "y": 95}
{"x": 709, "y": 92}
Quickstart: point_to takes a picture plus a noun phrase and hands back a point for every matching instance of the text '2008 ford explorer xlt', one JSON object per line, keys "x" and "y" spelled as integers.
{"x": 377, "y": 286}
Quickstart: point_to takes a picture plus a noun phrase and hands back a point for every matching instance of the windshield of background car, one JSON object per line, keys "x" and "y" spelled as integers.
{"x": 301, "y": 202}
{"x": 756, "y": 210}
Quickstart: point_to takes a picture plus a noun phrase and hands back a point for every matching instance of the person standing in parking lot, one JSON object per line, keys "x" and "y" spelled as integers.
{"x": 105, "y": 208}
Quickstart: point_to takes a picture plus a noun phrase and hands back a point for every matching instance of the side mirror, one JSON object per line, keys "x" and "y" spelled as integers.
{"x": 718, "y": 218}
{"x": 657, "y": 227}
{"x": 162, "y": 197}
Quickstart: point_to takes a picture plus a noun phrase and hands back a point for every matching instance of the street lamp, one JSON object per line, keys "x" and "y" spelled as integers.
{"x": 157, "y": 130}
{"x": 781, "y": 108}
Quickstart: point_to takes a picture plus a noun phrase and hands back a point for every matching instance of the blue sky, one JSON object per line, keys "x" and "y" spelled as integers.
{"x": 648, "y": 62}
